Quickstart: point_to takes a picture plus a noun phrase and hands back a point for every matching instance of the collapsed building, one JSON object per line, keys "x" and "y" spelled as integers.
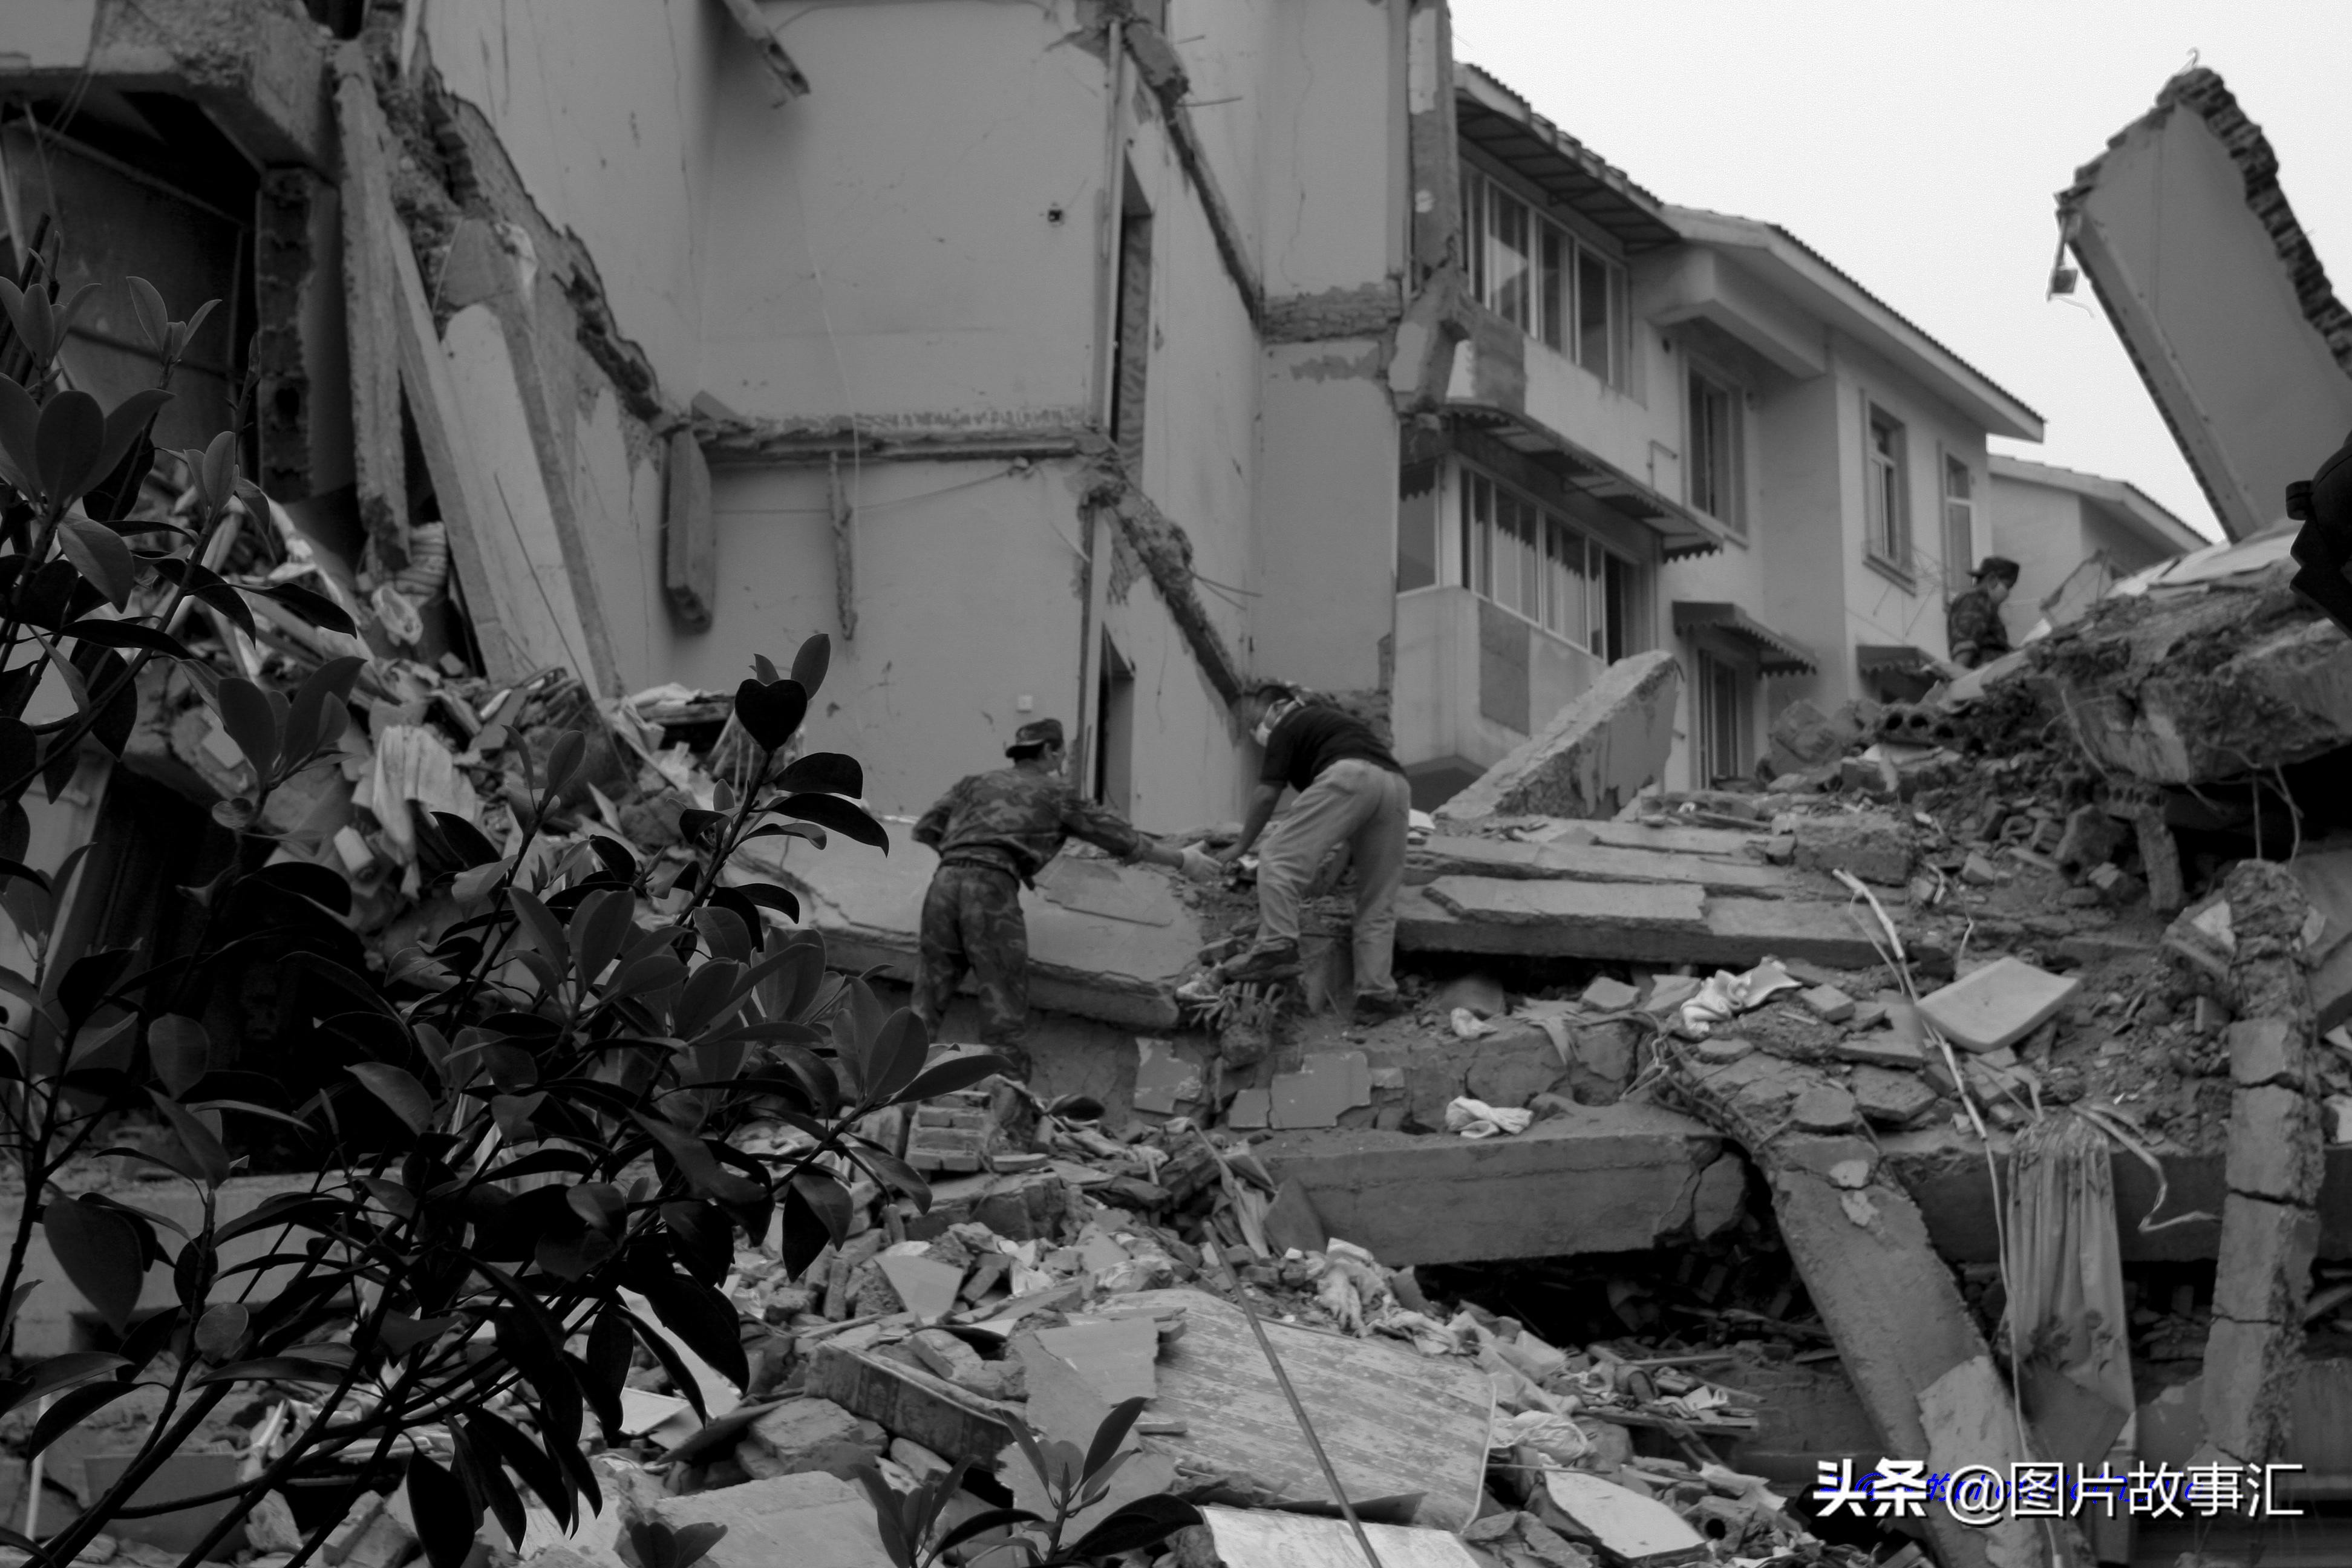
{"x": 566, "y": 353}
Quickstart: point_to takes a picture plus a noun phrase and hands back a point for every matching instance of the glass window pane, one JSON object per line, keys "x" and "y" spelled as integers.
{"x": 1509, "y": 284}
{"x": 1594, "y": 338}
{"x": 1555, "y": 289}
{"x": 1417, "y": 529}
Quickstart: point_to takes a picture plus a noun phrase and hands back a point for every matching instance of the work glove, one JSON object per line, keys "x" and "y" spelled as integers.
{"x": 1202, "y": 866}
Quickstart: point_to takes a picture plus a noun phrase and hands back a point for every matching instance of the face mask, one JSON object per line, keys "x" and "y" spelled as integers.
{"x": 1264, "y": 733}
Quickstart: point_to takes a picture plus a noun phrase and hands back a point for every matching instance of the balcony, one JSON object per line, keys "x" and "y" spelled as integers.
{"x": 1473, "y": 682}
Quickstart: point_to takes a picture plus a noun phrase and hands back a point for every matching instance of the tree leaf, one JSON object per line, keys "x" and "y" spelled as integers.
{"x": 980, "y": 1524}
{"x": 148, "y": 309}
{"x": 826, "y": 773}
{"x": 129, "y": 419}
{"x": 544, "y": 929}
{"x": 221, "y": 1332}
{"x": 397, "y": 1087}
{"x": 203, "y": 1145}
{"x": 245, "y": 714}
{"x": 179, "y": 1051}
{"x": 896, "y": 1055}
{"x": 768, "y": 896}
{"x": 832, "y": 812}
{"x": 705, "y": 1319}
{"x": 771, "y": 714}
{"x": 1112, "y": 1432}
{"x": 71, "y": 1410}
{"x": 446, "y": 1517}
{"x": 126, "y": 634}
{"x": 100, "y": 1250}
{"x": 66, "y": 446}
{"x": 951, "y": 1075}
{"x": 98, "y": 553}
{"x": 315, "y": 607}
{"x": 810, "y": 662}
{"x": 1141, "y": 1524}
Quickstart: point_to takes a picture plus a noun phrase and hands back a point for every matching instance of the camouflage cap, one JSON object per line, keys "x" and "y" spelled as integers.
{"x": 1035, "y": 734}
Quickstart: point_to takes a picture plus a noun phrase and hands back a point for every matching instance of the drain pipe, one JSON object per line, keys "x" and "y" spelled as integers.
{"x": 1109, "y": 202}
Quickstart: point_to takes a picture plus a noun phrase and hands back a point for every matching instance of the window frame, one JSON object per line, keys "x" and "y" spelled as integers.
{"x": 1956, "y": 571}
{"x": 1547, "y": 299}
{"x": 1482, "y": 501}
{"x": 1886, "y": 492}
{"x": 1720, "y": 697}
{"x": 1724, "y": 471}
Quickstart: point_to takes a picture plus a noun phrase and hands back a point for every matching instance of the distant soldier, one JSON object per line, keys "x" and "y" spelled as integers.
{"x": 1972, "y": 626}
{"x": 994, "y": 832}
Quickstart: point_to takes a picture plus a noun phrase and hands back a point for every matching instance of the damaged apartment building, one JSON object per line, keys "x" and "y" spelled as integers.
{"x": 1093, "y": 359}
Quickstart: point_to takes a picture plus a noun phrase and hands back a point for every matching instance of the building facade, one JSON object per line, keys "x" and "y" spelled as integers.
{"x": 2073, "y": 535}
{"x": 1669, "y": 428}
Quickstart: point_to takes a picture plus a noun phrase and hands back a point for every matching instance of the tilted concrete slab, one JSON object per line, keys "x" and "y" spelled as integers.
{"x": 1595, "y": 756}
{"x": 1658, "y": 923}
{"x": 1618, "y": 1178}
{"x": 1105, "y": 941}
{"x": 1451, "y": 857}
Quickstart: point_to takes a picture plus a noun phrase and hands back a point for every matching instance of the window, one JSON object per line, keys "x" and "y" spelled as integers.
{"x": 1721, "y": 702}
{"x": 1545, "y": 281}
{"x": 1711, "y": 469}
{"x": 1541, "y": 567}
{"x": 1959, "y": 524}
{"x": 1883, "y": 498}
{"x": 1418, "y": 495}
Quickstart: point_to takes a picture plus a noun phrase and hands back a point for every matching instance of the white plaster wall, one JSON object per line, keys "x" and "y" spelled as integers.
{"x": 1326, "y": 507}
{"x": 1879, "y": 610}
{"x": 969, "y": 597}
{"x": 1332, "y": 212}
{"x": 1229, "y": 50}
{"x": 2040, "y": 527}
{"x": 1202, "y": 388}
{"x": 605, "y": 112}
{"x": 886, "y": 245}
{"x": 1805, "y": 445}
{"x": 618, "y": 495}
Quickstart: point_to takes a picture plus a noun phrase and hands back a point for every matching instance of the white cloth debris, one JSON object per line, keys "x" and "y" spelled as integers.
{"x": 1726, "y": 996}
{"x": 1476, "y": 1119}
{"x": 412, "y": 764}
{"x": 1556, "y": 1437}
{"x": 1468, "y": 1026}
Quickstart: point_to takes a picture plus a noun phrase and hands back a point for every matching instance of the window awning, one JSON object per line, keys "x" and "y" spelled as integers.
{"x": 1777, "y": 655}
{"x": 1503, "y": 125}
{"x": 1681, "y": 532}
{"x": 1875, "y": 657}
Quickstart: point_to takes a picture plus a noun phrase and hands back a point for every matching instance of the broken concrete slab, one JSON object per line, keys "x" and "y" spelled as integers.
{"x": 809, "y": 1521}
{"x": 1998, "y": 1005}
{"x": 1454, "y": 856}
{"x": 1394, "y": 1424}
{"x": 1628, "y": 1527}
{"x": 1260, "y": 1537}
{"x": 1093, "y": 961}
{"x": 2274, "y": 1150}
{"x": 1634, "y": 1170}
{"x": 804, "y": 1436}
{"x": 1874, "y": 845}
{"x": 907, "y": 1403}
{"x": 1888, "y": 1099}
{"x": 926, "y": 1287}
{"x": 1666, "y": 923}
{"x": 1327, "y": 1084}
{"x": 1594, "y": 757}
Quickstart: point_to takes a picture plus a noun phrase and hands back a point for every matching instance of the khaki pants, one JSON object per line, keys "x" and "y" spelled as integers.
{"x": 1367, "y": 808}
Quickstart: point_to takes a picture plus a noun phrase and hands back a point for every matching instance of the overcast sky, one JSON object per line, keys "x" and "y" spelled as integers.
{"x": 1919, "y": 146}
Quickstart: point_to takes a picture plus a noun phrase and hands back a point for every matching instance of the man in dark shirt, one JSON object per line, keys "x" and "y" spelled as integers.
{"x": 1351, "y": 792}
{"x": 1972, "y": 626}
{"x": 994, "y": 832}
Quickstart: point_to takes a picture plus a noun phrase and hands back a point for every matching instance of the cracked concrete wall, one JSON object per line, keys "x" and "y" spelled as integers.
{"x": 609, "y": 127}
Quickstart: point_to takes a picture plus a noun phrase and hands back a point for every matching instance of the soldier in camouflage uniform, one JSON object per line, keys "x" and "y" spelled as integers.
{"x": 994, "y": 832}
{"x": 1972, "y": 626}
